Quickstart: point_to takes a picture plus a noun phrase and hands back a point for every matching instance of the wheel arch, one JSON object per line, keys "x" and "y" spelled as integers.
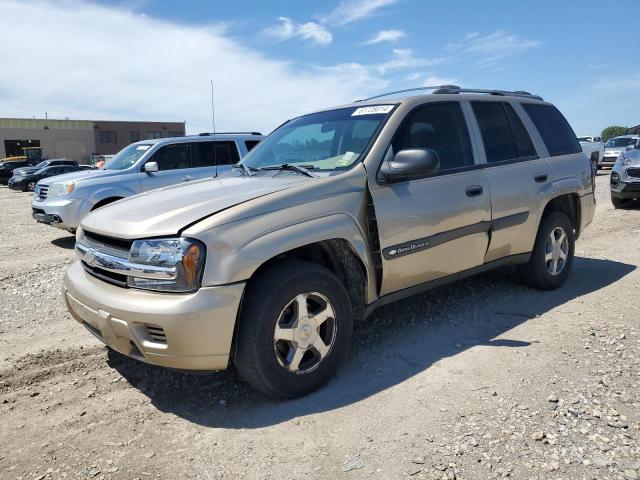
{"x": 105, "y": 201}
{"x": 338, "y": 256}
{"x": 568, "y": 203}
{"x": 335, "y": 241}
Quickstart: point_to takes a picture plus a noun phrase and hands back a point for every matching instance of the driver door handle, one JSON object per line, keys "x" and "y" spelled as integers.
{"x": 188, "y": 178}
{"x": 474, "y": 190}
{"x": 540, "y": 177}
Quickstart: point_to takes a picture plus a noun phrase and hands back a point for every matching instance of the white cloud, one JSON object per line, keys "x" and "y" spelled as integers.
{"x": 620, "y": 83}
{"x": 385, "y": 36}
{"x": 124, "y": 66}
{"x": 435, "y": 80}
{"x": 288, "y": 29}
{"x": 353, "y": 10}
{"x": 491, "y": 49}
{"x": 403, "y": 58}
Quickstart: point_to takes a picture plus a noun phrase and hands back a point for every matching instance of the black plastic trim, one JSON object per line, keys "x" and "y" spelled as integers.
{"x": 509, "y": 221}
{"x": 419, "y": 244}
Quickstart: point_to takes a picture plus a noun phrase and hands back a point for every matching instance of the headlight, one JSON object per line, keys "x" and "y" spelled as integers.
{"x": 624, "y": 161}
{"x": 60, "y": 188}
{"x": 185, "y": 254}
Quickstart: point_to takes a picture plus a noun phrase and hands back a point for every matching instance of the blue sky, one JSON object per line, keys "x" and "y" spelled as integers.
{"x": 152, "y": 59}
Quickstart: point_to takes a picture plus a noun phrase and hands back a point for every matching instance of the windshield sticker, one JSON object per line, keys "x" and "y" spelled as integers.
{"x": 143, "y": 147}
{"x": 347, "y": 159}
{"x": 372, "y": 110}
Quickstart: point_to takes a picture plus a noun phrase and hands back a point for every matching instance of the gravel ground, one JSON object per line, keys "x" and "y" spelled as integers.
{"x": 482, "y": 379}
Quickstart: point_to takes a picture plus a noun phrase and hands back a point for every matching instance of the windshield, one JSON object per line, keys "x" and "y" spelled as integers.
{"x": 620, "y": 142}
{"x": 41, "y": 165}
{"x": 127, "y": 157}
{"x": 332, "y": 140}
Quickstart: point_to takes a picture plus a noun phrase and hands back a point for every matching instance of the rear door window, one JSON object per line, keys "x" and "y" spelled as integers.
{"x": 503, "y": 134}
{"x": 554, "y": 129}
{"x": 208, "y": 154}
{"x": 173, "y": 157}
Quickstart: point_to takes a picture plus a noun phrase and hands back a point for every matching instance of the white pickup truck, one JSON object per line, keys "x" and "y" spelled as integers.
{"x": 593, "y": 148}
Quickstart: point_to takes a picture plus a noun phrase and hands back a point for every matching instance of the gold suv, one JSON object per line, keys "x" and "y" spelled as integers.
{"x": 332, "y": 215}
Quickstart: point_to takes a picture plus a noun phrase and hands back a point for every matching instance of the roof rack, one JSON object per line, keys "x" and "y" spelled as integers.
{"x": 453, "y": 89}
{"x": 206, "y": 134}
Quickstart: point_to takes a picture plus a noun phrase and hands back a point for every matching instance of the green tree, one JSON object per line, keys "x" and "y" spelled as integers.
{"x": 613, "y": 131}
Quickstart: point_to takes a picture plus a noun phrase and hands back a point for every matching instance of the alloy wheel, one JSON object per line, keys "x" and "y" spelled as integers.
{"x": 556, "y": 251}
{"x": 304, "y": 333}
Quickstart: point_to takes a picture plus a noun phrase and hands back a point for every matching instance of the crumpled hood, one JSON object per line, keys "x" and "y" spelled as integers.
{"x": 168, "y": 210}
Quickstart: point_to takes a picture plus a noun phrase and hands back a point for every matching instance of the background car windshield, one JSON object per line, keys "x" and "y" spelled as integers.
{"x": 619, "y": 142}
{"x": 127, "y": 157}
{"x": 584, "y": 139}
{"x": 332, "y": 140}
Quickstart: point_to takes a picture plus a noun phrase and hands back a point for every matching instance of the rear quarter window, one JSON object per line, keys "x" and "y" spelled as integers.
{"x": 557, "y": 134}
{"x": 250, "y": 144}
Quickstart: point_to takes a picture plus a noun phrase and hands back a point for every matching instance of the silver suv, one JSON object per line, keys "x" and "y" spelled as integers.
{"x": 616, "y": 146}
{"x": 625, "y": 178}
{"x": 332, "y": 215}
{"x": 64, "y": 201}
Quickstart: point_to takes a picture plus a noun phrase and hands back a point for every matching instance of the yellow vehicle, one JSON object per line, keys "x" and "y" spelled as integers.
{"x": 32, "y": 154}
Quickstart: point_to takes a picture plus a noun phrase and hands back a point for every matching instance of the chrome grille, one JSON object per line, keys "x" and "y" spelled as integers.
{"x": 633, "y": 172}
{"x": 41, "y": 191}
{"x": 108, "y": 259}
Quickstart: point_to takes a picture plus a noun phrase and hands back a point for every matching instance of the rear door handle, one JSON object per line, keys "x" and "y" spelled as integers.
{"x": 474, "y": 190}
{"x": 187, "y": 178}
{"x": 540, "y": 177}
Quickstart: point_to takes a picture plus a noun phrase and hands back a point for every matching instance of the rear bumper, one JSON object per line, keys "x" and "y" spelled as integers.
{"x": 608, "y": 161}
{"x": 182, "y": 331}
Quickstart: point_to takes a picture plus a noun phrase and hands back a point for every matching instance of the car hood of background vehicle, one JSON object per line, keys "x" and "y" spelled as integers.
{"x": 82, "y": 174}
{"x": 168, "y": 210}
{"x": 634, "y": 156}
{"x": 26, "y": 170}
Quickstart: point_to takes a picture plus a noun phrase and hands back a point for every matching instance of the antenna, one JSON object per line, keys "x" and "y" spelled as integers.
{"x": 213, "y": 121}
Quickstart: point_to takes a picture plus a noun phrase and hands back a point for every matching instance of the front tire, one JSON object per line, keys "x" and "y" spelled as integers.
{"x": 295, "y": 328}
{"x": 30, "y": 187}
{"x": 552, "y": 257}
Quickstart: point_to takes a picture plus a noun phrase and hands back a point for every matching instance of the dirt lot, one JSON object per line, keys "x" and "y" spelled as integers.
{"x": 482, "y": 379}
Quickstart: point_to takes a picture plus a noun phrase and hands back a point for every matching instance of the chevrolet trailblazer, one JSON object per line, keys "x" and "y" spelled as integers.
{"x": 332, "y": 215}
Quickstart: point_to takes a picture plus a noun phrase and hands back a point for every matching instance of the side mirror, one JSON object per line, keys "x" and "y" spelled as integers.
{"x": 151, "y": 167}
{"x": 410, "y": 163}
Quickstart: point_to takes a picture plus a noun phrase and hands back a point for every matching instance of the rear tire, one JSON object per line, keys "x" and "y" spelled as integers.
{"x": 294, "y": 329}
{"x": 552, "y": 257}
